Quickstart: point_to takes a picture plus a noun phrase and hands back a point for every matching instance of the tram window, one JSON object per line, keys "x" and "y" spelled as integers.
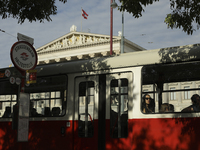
{"x": 8, "y": 97}
{"x": 86, "y": 109}
{"x": 119, "y": 108}
{"x": 46, "y": 104}
{"x": 48, "y": 96}
{"x": 6, "y": 105}
{"x": 172, "y": 86}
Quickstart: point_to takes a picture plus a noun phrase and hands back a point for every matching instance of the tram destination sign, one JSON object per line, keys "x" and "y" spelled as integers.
{"x": 23, "y": 56}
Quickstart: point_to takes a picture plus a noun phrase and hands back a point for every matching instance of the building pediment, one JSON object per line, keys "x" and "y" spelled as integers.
{"x": 80, "y": 45}
{"x": 74, "y": 39}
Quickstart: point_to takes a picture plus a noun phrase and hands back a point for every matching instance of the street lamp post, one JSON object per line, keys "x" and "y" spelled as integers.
{"x": 114, "y": 5}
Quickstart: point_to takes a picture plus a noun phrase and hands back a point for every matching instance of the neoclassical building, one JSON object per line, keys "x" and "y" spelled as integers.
{"x": 80, "y": 45}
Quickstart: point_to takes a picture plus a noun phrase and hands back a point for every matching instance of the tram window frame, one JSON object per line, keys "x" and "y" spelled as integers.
{"x": 118, "y": 117}
{"x": 177, "y": 75}
{"x": 43, "y": 96}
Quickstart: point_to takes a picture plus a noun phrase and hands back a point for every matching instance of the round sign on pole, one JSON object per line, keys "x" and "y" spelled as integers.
{"x": 23, "y": 56}
{"x": 12, "y": 80}
{"x": 7, "y": 73}
{"x": 18, "y": 81}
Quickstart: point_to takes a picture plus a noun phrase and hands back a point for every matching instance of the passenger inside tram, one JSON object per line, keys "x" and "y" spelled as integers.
{"x": 165, "y": 107}
{"x": 195, "y": 107}
{"x": 7, "y": 112}
{"x": 148, "y": 104}
{"x": 171, "y": 108}
{"x": 33, "y": 111}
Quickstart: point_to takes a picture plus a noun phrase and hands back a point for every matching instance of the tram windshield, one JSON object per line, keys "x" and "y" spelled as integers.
{"x": 171, "y": 87}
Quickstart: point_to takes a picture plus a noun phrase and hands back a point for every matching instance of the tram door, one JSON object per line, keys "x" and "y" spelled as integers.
{"x": 119, "y": 89}
{"x": 101, "y": 110}
{"x": 86, "y": 112}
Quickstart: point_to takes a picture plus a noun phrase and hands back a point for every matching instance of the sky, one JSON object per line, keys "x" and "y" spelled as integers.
{"x": 148, "y": 31}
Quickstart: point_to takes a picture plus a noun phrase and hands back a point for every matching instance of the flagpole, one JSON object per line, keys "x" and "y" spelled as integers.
{"x": 81, "y": 19}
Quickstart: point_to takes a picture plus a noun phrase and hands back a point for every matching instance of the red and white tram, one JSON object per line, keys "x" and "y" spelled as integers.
{"x": 97, "y": 103}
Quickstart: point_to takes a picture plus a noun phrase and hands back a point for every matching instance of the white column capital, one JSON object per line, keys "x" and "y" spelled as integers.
{"x": 68, "y": 58}
{"x": 104, "y": 53}
{"x": 80, "y": 56}
{"x": 92, "y": 55}
{"x": 46, "y": 61}
{"x": 57, "y": 59}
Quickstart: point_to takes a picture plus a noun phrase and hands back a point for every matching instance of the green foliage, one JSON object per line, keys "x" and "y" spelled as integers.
{"x": 135, "y": 7}
{"x": 185, "y": 13}
{"x": 32, "y": 10}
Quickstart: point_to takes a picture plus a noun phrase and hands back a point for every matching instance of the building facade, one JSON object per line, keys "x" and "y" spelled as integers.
{"x": 79, "y": 45}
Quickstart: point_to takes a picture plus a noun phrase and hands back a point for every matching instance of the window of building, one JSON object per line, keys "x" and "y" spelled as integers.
{"x": 145, "y": 90}
{"x": 172, "y": 94}
{"x": 186, "y": 93}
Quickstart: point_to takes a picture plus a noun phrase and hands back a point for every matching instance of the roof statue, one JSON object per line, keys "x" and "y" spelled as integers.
{"x": 119, "y": 33}
{"x": 73, "y": 28}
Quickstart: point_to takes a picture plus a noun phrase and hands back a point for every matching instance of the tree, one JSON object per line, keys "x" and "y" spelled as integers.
{"x": 32, "y": 10}
{"x": 185, "y": 13}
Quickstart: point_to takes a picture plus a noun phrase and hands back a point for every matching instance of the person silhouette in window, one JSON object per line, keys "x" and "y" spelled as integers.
{"x": 148, "y": 104}
{"x": 195, "y": 107}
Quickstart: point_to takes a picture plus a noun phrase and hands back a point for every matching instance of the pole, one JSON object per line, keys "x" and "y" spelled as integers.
{"x": 122, "y": 37}
{"x": 81, "y": 18}
{"x": 111, "y": 28}
{"x": 23, "y": 81}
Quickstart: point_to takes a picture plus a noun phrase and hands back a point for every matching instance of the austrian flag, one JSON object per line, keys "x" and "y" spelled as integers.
{"x": 84, "y": 14}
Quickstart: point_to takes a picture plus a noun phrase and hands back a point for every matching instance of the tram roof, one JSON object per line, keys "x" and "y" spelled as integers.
{"x": 146, "y": 57}
{"x": 157, "y": 56}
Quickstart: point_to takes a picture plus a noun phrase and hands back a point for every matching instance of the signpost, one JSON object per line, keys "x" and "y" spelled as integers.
{"x": 24, "y": 58}
{"x": 22, "y": 37}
